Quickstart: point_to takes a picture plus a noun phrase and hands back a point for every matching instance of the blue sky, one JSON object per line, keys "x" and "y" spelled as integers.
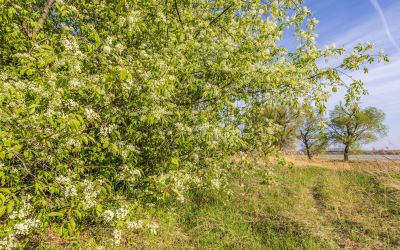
{"x": 347, "y": 22}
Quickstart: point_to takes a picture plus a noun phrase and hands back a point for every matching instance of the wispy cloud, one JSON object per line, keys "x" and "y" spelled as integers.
{"x": 383, "y": 80}
{"x": 382, "y": 16}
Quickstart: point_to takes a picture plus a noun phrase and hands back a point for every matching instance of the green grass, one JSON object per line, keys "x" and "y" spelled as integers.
{"x": 303, "y": 208}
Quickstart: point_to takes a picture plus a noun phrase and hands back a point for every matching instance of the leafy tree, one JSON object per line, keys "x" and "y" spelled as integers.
{"x": 312, "y": 135}
{"x": 103, "y": 99}
{"x": 286, "y": 121}
{"x": 352, "y": 125}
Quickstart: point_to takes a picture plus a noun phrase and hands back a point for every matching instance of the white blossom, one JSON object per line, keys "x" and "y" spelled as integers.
{"x": 90, "y": 194}
{"x": 216, "y": 183}
{"x": 108, "y": 215}
{"x": 8, "y": 243}
{"x": 91, "y": 114}
{"x": 117, "y": 236}
{"x": 152, "y": 227}
{"x": 107, "y": 49}
{"x": 24, "y": 227}
{"x": 75, "y": 83}
{"x": 135, "y": 224}
{"x": 122, "y": 212}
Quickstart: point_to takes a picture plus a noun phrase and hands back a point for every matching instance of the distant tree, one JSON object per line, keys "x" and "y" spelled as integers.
{"x": 286, "y": 120}
{"x": 271, "y": 126}
{"x": 350, "y": 125}
{"x": 312, "y": 135}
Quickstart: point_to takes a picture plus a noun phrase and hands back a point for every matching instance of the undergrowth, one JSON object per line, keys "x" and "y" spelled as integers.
{"x": 299, "y": 208}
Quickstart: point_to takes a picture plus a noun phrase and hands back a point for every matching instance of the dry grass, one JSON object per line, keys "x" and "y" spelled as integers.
{"x": 318, "y": 204}
{"x": 376, "y": 165}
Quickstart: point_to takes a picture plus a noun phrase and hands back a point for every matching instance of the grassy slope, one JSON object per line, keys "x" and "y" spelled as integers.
{"x": 304, "y": 208}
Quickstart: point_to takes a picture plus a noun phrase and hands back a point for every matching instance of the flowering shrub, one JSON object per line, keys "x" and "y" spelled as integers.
{"x": 105, "y": 102}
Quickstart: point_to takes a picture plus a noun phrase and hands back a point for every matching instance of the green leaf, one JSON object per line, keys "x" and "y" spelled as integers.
{"x": 78, "y": 214}
{"x": 56, "y": 214}
{"x": 10, "y": 207}
{"x": 99, "y": 210}
{"x": 2, "y": 210}
{"x": 71, "y": 226}
{"x": 123, "y": 74}
{"x": 2, "y": 198}
{"x": 11, "y": 12}
{"x": 106, "y": 143}
{"x": 175, "y": 161}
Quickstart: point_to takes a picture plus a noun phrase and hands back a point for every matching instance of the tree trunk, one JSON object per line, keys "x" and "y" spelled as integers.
{"x": 346, "y": 153}
{"x": 309, "y": 155}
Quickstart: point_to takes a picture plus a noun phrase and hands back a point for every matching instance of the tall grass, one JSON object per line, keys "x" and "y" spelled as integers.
{"x": 318, "y": 205}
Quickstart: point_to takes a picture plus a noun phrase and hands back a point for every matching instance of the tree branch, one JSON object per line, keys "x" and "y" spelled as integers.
{"x": 179, "y": 15}
{"x": 43, "y": 18}
{"x": 23, "y": 24}
{"x": 215, "y": 18}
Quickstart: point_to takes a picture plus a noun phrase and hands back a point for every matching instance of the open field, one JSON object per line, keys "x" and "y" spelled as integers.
{"x": 356, "y": 157}
{"x": 322, "y": 204}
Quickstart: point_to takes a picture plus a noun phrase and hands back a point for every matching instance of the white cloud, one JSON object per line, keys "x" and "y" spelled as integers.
{"x": 382, "y": 16}
{"x": 383, "y": 80}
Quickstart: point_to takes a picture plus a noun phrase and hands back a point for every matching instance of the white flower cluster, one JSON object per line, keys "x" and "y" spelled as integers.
{"x": 183, "y": 128}
{"x": 91, "y": 114}
{"x": 71, "y": 104}
{"x": 159, "y": 112}
{"x": 140, "y": 224}
{"x": 23, "y": 212}
{"x": 72, "y": 46}
{"x": 75, "y": 83}
{"x": 216, "y": 183}
{"x": 77, "y": 67}
{"x": 180, "y": 180}
{"x": 25, "y": 56}
{"x": 106, "y": 130}
{"x": 108, "y": 215}
{"x": 128, "y": 173}
{"x": 117, "y": 236}
{"x": 8, "y": 243}
{"x": 135, "y": 224}
{"x": 107, "y": 49}
{"x": 133, "y": 17}
{"x": 73, "y": 143}
{"x": 121, "y": 213}
{"x": 119, "y": 47}
{"x": 24, "y": 227}
{"x": 152, "y": 227}
{"x": 90, "y": 194}
{"x": 68, "y": 187}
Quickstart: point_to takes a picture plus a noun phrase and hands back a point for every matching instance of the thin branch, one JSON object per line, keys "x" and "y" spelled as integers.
{"x": 226, "y": 31}
{"x": 215, "y": 19}
{"x": 179, "y": 15}
{"x": 43, "y": 18}
{"x": 23, "y": 24}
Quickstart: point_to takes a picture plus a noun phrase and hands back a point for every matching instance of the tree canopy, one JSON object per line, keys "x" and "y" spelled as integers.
{"x": 312, "y": 134}
{"x": 351, "y": 125}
